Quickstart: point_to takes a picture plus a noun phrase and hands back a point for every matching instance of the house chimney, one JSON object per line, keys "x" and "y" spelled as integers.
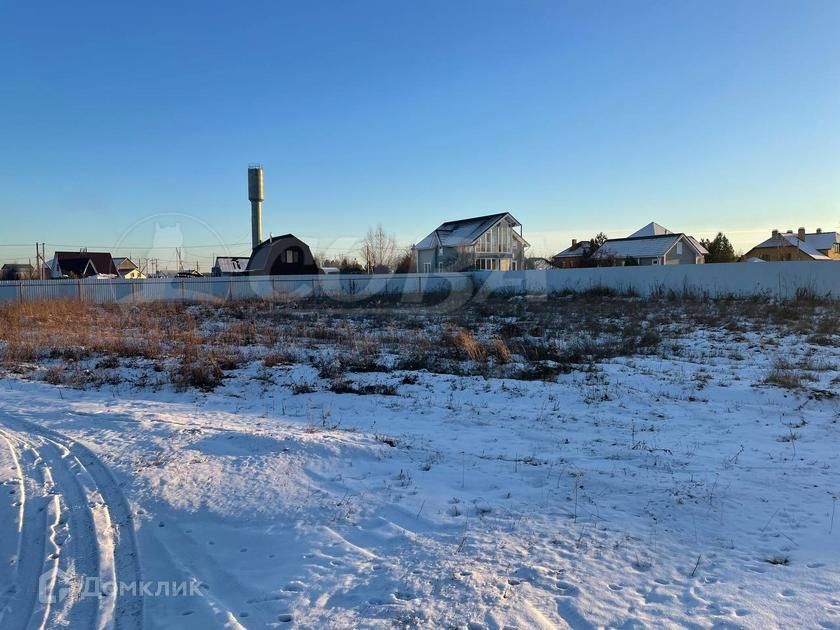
{"x": 574, "y": 243}
{"x": 801, "y": 234}
{"x": 775, "y": 234}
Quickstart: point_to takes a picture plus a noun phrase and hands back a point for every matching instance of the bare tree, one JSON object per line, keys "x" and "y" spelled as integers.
{"x": 378, "y": 250}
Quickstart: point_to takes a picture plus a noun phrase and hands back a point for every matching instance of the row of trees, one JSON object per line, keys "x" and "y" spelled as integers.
{"x": 378, "y": 253}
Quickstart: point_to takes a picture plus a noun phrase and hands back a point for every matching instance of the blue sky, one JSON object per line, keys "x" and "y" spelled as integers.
{"x": 128, "y": 124}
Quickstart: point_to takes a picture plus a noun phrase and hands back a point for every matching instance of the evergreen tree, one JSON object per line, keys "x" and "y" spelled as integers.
{"x": 720, "y": 249}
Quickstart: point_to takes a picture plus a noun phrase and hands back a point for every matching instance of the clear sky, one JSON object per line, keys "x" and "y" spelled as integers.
{"x": 124, "y": 125}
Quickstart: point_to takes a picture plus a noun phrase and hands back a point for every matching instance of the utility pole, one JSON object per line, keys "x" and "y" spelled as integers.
{"x": 40, "y": 259}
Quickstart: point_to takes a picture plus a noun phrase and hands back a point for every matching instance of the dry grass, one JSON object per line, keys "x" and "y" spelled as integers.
{"x": 466, "y": 344}
{"x": 508, "y": 337}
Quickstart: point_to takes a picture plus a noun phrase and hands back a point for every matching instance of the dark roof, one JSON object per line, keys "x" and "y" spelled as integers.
{"x": 77, "y": 262}
{"x": 271, "y": 240}
{"x": 18, "y": 267}
{"x": 265, "y": 258}
{"x": 463, "y": 231}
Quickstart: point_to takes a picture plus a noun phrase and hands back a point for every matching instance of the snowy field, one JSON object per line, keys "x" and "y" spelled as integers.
{"x": 581, "y": 463}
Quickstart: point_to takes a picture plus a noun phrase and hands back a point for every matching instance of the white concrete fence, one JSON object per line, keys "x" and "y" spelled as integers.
{"x": 782, "y": 280}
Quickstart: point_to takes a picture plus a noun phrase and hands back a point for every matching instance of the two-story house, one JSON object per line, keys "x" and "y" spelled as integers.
{"x": 489, "y": 242}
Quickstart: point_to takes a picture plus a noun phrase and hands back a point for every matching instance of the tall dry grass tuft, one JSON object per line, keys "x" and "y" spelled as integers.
{"x": 467, "y": 344}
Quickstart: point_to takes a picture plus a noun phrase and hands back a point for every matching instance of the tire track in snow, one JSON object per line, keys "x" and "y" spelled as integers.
{"x": 101, "y": 539}
{"x": 35, "y": 548}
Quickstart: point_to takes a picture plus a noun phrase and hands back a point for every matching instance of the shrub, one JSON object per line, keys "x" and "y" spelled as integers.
{"x": 204, "y": 374}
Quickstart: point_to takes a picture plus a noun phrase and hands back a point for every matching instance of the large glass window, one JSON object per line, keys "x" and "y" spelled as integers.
{"x": 496, "y": 240}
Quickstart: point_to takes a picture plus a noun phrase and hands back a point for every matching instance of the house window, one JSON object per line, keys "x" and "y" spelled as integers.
{"x": 292, "y": 256}
{"x": 427, "y": 267}
{"x": 513, "y": 265}
{"x": 497, "y": 240}
{"x": 679, "y": 248}
{"x": 487, "y": 264}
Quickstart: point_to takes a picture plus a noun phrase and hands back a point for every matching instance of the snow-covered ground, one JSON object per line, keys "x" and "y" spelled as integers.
{"x": 675, "y": 489}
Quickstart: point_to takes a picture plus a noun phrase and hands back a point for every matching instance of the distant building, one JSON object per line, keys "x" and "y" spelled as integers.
{"x": 17, "y": 271}
{"x": 489, "y": 242}
{"x": 127, "y": 269}
{"x": 538, "y": 263}
{"x": 230, "y": 266}
{"x": 282, "y": 255}
{"x": 801, "y": 245}
{"x": 574, "y": 256}
{"x": 83, "y": 265}
{"x": 651, "y": 245}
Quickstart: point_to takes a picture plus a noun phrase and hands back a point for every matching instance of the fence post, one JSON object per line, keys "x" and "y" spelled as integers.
{"x": 20, "y": 291}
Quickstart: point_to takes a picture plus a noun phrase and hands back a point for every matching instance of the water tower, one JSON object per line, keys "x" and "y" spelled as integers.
{"x": 255, "y": 196}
